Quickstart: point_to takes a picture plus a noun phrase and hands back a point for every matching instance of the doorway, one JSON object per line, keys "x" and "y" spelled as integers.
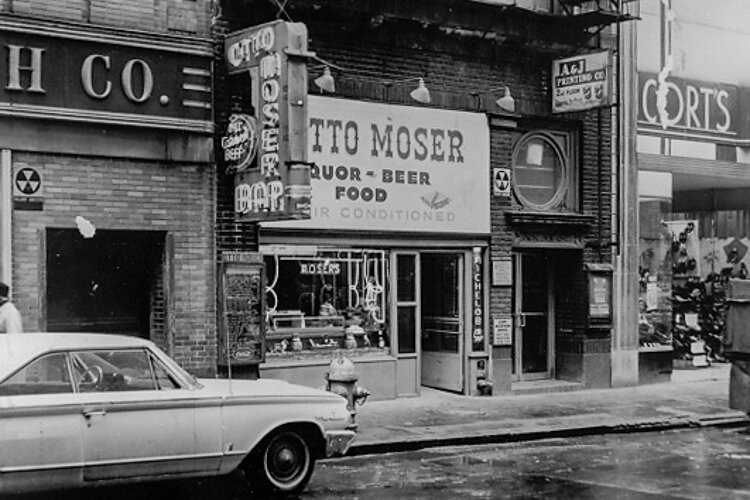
{"x": 534, "y": 313}
{"x": 111, "y": 283}
{"x": 442, "y": 320}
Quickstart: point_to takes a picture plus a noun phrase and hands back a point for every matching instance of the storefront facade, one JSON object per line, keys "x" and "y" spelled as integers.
{"x": 107, "y": 181}
{"x": 693, "y": 180}
{"x": 395, "y": 245}
{"x": 450, "y": 243}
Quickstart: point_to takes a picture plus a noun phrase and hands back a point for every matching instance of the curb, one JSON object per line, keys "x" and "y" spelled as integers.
{"x": 727, "y": 419}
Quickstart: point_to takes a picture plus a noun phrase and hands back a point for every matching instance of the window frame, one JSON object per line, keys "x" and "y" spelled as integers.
{"x": 563, "y": 144}
{"x": 68, "y": 369}
{"x": 150, "y": 358}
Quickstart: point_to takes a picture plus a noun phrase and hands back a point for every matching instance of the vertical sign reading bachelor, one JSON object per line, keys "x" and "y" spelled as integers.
{"x": 477, "y": 303}
{"x": 276, "y": 184}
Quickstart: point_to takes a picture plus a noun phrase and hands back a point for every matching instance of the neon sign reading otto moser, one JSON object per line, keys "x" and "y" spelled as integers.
{"x": 276, "y": 185}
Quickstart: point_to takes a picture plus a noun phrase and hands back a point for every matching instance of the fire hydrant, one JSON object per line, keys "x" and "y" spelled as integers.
{"x": 342, "y": 379}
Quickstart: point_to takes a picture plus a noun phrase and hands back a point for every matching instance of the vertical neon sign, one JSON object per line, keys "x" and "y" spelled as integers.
{"x": 276, "y": 186}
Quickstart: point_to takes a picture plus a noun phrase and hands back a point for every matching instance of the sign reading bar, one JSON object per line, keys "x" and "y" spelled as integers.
{"x": 581, "y": 82}
{"x": 274, "y": 183}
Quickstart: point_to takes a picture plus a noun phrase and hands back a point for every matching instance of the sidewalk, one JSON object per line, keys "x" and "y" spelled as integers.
{"x": 694, "y": 398}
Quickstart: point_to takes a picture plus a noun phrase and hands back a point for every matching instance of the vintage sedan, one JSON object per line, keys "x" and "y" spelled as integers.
{"x": 90, "y": 409}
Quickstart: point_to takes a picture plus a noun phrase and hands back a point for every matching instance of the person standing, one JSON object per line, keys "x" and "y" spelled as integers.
{"x": 10, "y": 318}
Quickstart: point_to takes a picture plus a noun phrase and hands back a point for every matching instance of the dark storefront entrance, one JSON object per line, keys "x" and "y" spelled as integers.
{"x": 533, "y": 309}
{"x": 111, "y": 282}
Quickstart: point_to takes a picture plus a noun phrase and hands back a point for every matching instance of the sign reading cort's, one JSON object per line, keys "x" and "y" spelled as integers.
{"x": 273, "y": 184}
{"x": 677, "y": 107}
{"x": 383, "y": 167}
{"x": 134, "y": 80}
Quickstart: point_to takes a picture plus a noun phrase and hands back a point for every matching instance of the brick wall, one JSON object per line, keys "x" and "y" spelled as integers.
{"x": 185, "y": 17}
{"x": 130, "y": 195}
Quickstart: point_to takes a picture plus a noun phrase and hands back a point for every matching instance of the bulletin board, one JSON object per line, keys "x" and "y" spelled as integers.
{"x": 241, "y": 309}
{"x": 600, "y": 292}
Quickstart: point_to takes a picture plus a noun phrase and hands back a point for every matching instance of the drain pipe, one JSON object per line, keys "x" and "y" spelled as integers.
{"x": 6, "y": 212}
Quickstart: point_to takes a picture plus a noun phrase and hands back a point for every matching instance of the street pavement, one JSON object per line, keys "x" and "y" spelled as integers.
{"x": 697, "y": 397}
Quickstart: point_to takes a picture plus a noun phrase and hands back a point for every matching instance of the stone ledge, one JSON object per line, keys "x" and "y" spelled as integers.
{"x": 550, "y": 218}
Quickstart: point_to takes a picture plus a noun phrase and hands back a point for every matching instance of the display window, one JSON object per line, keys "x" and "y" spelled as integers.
{"x": 324, "y": 300}
{"x": 655, "y": 271}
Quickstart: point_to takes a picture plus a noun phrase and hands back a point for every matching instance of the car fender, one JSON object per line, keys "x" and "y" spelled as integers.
{"x": 241, "y": 436}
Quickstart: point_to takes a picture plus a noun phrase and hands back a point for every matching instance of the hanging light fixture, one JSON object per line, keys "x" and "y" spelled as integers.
{"x": 325, "y": 81}
{"x": 506, "y": 102}
{"x": 421, "y": 94}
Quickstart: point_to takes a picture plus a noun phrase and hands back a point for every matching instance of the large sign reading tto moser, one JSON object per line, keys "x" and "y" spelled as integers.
{"x": 396, "y": 168}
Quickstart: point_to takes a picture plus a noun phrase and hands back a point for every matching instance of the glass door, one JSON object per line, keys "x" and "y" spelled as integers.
{"x": 534, "y": 346}
{"x": 442, "y": 320}
{"x": 405, "y": 310}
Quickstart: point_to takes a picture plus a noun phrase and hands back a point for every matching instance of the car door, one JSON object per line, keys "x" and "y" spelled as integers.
{"x": 40, "y": 427}
{"x": 139, "y": 421}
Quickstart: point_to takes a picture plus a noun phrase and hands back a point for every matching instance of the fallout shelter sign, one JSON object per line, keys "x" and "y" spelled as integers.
{"x": 27, "y": 189}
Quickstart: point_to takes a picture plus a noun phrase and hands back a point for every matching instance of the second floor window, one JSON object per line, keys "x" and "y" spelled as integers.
{"x": 544, "y": 173}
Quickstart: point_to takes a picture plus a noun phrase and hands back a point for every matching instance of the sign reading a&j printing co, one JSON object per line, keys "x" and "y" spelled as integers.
{"x": 581, "y": 82}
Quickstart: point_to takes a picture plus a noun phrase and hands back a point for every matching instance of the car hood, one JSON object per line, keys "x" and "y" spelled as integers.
{"x": 264, "y": 388}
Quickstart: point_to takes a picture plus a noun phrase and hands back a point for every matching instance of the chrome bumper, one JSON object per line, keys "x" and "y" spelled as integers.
{"x": 338, "y": 442}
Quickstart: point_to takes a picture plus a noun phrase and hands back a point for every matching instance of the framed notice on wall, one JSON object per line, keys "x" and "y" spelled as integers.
{"x": 242, "y": 309}
{"x": 600, "y": 291}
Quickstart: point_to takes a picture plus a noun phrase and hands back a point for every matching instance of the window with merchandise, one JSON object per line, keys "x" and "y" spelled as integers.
{"x": 323, "y": 300}
{"x": 655, "y": 270}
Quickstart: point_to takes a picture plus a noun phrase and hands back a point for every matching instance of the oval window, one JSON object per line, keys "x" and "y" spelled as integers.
{"x": 539, "y": 170}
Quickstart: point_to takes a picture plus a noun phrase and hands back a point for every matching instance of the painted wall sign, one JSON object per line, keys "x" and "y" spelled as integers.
{"x": 123, "y": 81}
{"x": 277, "y": 185}
{"x": 688, "y": 108}
{"x": 581, "y": 82}
{"x": 397, "y": 168}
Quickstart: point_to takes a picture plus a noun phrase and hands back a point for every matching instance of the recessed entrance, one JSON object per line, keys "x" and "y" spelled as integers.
{"x": 111, "y": 283}
{"x": 442, "y": 320}
{"x": 533, "y": 305}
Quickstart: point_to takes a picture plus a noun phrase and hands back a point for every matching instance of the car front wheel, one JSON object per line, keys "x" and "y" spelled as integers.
{"x": 284, "y": 464}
